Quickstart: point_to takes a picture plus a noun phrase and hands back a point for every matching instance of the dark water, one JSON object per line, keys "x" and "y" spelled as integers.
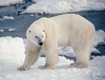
{"x": 22, "y": 21}
{"x": 96, "y": 17}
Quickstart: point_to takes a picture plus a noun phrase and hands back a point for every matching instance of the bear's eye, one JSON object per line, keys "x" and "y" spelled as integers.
{"x": 29, "y": 31}
{"x": 43, "y": 30}
{"x": 36, "y": 36}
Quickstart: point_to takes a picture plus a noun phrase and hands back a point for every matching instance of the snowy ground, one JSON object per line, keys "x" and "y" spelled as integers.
{"x": 62, "y": 71}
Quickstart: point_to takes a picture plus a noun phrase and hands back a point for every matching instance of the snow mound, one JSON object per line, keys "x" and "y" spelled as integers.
{"x": 9, "y": 2}
{"x": 99, "y": 37}
{"x": 52, "y": 6}
{"x": 11, "y": 29}
{"x": 8, "y": 18}
{"x": 1, "y": 30}
{"x": 62, "y": 6}
{"x": 12, "y": 49}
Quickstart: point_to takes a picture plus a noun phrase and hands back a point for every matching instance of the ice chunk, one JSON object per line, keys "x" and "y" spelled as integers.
{"x": 62, "y": 6}
{"x": 8, "y": 2}
{"x": 12, "y": 48}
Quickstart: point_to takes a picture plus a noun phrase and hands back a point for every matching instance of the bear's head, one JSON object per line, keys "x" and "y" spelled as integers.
{"x": 36, "y": 34}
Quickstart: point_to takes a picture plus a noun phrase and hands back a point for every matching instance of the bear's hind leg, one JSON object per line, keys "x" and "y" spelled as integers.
{"x": 32, "y": 55}
{"x": 82, "y": 58}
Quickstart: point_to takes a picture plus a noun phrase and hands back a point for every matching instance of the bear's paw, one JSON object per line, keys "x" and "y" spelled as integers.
{"x": 79, "y": 65}
{"x": 45, "y": 67}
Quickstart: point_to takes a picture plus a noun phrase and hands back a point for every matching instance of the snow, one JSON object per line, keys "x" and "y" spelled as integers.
{"x": 99, "y": 37}
{"x": 11, "y": 29}
{"x": 11, "y": 48}
{"x": 1, "y": 30}
{"x": 95, "y": 50}
{"x": 58, "y": 6}
{"x": 68, "y": 51}
{"x": 12, "y": 55}
{"x": 62, "y": 6}
{"x": 9, "y": 2}
{"x": 62, "y": 71}
{"x": 8, "y": 18}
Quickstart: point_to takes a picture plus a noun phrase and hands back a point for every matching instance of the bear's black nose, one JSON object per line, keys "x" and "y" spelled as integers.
{"x": 41, "y": 43}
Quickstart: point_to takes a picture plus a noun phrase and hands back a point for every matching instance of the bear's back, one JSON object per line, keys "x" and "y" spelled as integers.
{"x": 71, "y": 20}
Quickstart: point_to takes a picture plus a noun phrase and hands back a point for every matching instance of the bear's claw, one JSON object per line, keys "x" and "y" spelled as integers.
{"x": 23, "y": 68}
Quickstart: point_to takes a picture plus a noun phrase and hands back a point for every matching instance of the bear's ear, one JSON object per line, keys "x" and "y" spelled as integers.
{"x": 43, "y": 30}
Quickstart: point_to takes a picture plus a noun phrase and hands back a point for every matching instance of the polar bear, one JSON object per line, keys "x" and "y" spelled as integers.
{"x": 62, "y": 30}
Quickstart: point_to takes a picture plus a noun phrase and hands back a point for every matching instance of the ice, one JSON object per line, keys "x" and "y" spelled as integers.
{"x": 62, "y": 6}
{"x": 11, "y": 29}
{"x": 8, "y": 18}
{"x": 68, "y": 51}
{"x": 99, "y": 37}
{"x": 95, "y": 50}
{"x": 1, "y": 30}
{"x": 52, "y": 6}
{"x": 8, "y": 2}
{"x": 12, "y": 48}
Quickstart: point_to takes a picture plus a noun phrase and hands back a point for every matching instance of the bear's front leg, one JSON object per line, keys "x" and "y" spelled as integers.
{"x": 51, "y": 53}
{"x": 32, "y": 55}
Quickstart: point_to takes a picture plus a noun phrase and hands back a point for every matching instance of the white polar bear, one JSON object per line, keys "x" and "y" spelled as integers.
{"x": 63, "y": 30}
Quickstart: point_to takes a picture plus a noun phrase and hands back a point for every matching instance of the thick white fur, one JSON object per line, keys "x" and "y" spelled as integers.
{"x": 63, "y": 30}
